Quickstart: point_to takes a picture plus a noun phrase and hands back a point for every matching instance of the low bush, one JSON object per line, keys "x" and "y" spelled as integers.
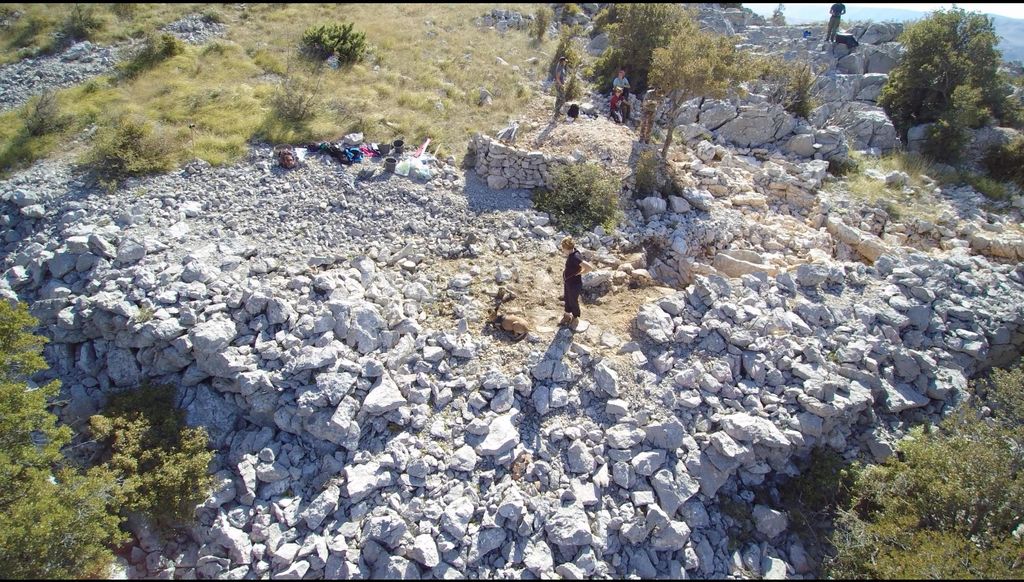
{"x": 80, "y": 24}
{"x": 646, "y": 173}
{"x": 161, "y": 464}
{"x": 1006, "y": 163}
{"x": 298, "y": 98}
{"x": 154, "y": 50}
{"x": 129, "y": 146}
{"x": 789, "y": 83}
{"x": 339, "y": 40}
{"x": 43, "y": 115}
{"x": 582, "y": 196}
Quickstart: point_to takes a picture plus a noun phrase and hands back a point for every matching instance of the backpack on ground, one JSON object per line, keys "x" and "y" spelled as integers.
{"x": 847, "y": 39}
{"x": 286, "y": 157}
{"x": 574, "y": 111}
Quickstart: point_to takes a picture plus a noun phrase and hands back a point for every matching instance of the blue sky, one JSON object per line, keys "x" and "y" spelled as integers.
{"x": 1010, "y": 10}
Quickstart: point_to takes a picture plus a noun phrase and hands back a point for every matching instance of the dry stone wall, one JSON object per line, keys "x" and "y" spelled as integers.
{"x": 505, "y": 166}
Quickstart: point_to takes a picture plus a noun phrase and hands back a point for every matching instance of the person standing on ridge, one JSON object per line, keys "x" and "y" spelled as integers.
{"x": 837, "y": 11}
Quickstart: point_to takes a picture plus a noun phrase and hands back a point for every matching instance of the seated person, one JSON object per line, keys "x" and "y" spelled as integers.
{"x": 621, "y": 82}
{"x": 619, "y": 109}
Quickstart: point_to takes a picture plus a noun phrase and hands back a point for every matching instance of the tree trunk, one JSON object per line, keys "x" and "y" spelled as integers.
{"x": 668, "y": 141}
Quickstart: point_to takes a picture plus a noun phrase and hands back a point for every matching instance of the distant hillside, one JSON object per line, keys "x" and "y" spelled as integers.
{"x": 1010, "y": 30}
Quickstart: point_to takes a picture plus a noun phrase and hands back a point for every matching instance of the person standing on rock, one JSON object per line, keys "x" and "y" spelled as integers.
{"x": 572, "y": 281}
{"x": 560, "y": 74}
{"x": 837, "y": 11}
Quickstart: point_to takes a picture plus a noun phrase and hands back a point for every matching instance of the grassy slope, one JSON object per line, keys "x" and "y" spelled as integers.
{"x": 423, "y": 76}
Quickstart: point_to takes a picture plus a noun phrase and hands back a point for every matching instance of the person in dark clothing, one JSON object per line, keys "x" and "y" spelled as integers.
{"x": 837, "y": 11}
{"x": 572, "y": 281}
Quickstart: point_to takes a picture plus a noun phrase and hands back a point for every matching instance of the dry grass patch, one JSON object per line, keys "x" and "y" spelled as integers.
{"x": 918, "y": 202}
{"x": 421, "y": 78}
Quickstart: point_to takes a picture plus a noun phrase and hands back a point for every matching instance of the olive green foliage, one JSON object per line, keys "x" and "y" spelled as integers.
{"x": 570, "y": 11}
{"x": 153, "y": 51}
{"x": 646, "y": 174}
{"x": 125, "y": 10}
{"x": 56, "y": 520}
{"x": 947, "y": 507}
{"x": 992, "y": 189}
{"x": 779, "y": 16}
{"x": 128, "y": 146}
{"x": 44, "y": 116}
{"x": 161, "y": 464}
{"x": 298, "y": 99}
{"x": 696, "y": 64}
{"x": 582, "y": 196}
{"x": 541, "y": 21}
{"x": 812, "y": 498}
{"x": 950, "y": 75}
{"x": 568, "y": 46}
{"x": 335, "y": 39}
{"x": 1006, "y": 162}
{"x": 604, "y": 18}
{"x": 80, "y": 24}
{"x": 637, "y": 30}
{"x": 789, "y": 83}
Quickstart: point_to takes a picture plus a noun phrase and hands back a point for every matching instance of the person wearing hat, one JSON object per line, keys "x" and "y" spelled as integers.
{"x": 618, "y": 103}
{"x": 572, "y": 281}
{"x": 560, "y": 76}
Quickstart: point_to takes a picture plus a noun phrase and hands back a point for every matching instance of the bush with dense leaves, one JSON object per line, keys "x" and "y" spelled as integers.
{"x": 949, "y": 504}
{"x": 634, "y": 31}
{"x": 161, "y": 465}
{"x": 949, "y": 74}
{"x": 58, "y": 521}
{"x": 1006, "y": 162}
{"x": 339, "y": 40}
{"x": 128, "y": 146}
{"x": 582, "y": 196}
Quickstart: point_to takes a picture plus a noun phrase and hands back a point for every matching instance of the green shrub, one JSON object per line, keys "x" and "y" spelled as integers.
{"x": 582, "y": 196}
{"x": 80, "y": 24}
{"x": 129, "y": 146}
{"x": 948, "y": 505}
{"x": 298, "y": 98}
{"x": 43, "y": 115}
{"x": 212, "y": 17}
{"x": 637, "y": 30}
{"x": 125, "y": 10}
{"x": 154, "y": 50}
{"x": 949, "y": 74}
{"x": 161, "y": 464}
{"x": 335, "y": 39}
{"x": 790, "y": 84}
{"x": 646, "y": 173}
{"x": 570, "y": 11}
{"x": 57, "y": 522}
{"x": 1006, "y": 163}
{"x": 541, "y": 21}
